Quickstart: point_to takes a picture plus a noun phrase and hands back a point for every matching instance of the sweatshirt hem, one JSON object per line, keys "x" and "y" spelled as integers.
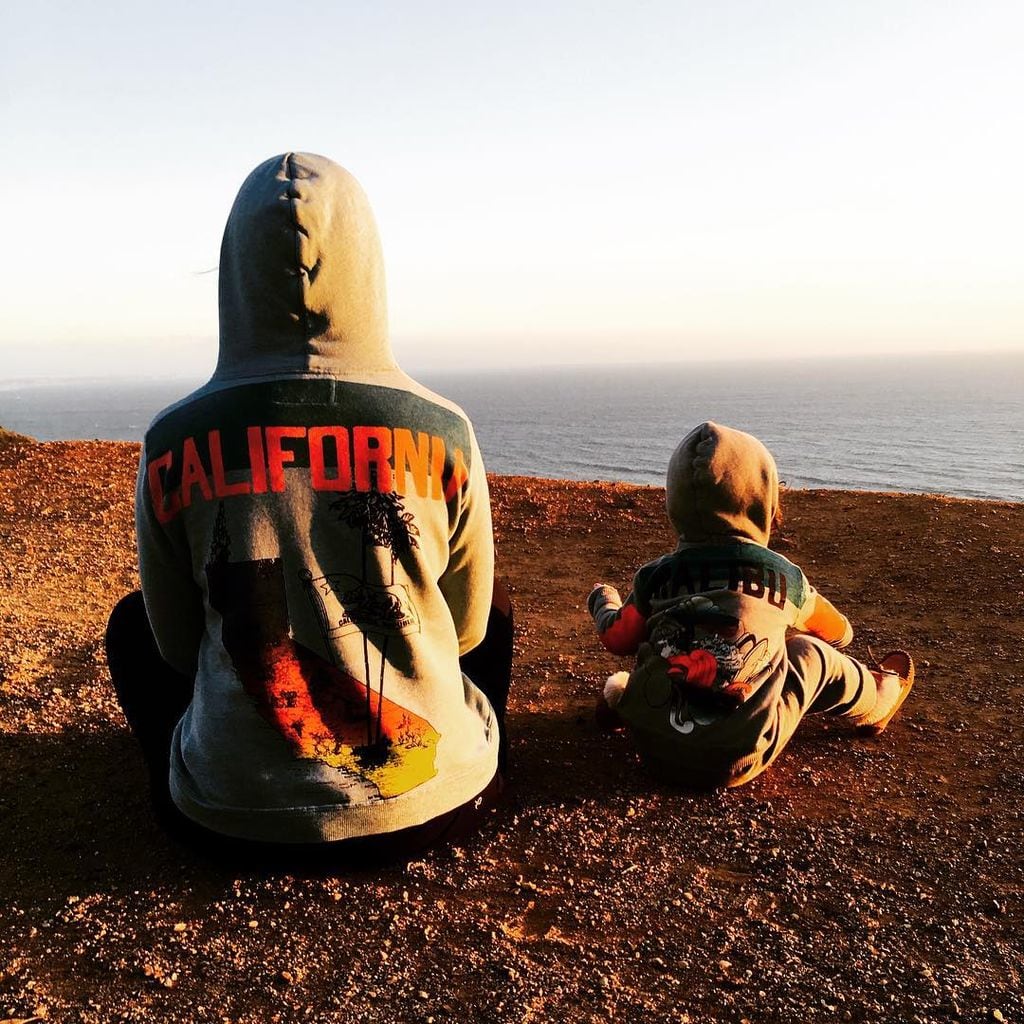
{"x": 331, "y": 822}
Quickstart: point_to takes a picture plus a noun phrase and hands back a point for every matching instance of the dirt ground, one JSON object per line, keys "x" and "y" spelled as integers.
{"x": 858, "y": 880}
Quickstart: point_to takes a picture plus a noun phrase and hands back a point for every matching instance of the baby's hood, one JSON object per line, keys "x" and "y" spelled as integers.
{"x": 722, "y": 483}
{"x": 301, "y": 274}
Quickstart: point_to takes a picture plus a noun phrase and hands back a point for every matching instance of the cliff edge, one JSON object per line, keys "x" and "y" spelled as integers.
{"x": 857, "y": 880}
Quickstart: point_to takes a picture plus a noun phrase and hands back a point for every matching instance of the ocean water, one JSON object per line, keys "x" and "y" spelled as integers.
{"x": 947, "y": 424}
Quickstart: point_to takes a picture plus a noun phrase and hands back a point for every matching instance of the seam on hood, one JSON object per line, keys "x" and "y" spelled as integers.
{"x": 300, "y": 270}
{"x": 292, "y": 194}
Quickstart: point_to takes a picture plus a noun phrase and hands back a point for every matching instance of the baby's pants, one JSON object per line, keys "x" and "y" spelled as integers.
{"x": 821, "y": 680}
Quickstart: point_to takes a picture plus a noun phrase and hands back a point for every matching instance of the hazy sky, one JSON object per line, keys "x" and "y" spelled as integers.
{"x": 554, "y": 182}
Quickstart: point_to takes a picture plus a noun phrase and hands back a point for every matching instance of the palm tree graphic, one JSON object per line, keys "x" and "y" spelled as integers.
{"x": 384, "y": 523}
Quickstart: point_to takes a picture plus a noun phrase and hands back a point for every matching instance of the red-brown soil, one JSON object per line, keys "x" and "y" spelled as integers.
{"x": 858, "y": 880}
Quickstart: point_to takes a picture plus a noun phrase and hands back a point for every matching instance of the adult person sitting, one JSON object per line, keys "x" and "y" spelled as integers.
{"x": 320, "y": 661}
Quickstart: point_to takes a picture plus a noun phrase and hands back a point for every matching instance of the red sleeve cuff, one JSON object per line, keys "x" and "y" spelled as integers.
{"x": 626, "y": 633}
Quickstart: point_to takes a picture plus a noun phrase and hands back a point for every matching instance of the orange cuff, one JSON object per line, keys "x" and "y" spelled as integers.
{"x": 828, "y": 623}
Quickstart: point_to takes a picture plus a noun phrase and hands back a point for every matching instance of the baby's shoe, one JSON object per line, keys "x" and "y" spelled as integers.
{"x": 894, "y": 678}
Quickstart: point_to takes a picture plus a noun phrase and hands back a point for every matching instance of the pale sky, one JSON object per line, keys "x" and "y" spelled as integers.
{"x": 554, "y": 182}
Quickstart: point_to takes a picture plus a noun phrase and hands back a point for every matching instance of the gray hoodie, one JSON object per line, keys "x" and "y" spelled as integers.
{"x": 315, "y": 542}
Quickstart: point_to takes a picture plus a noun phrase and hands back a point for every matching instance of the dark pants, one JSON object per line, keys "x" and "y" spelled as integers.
{"x": 154, "y": 696}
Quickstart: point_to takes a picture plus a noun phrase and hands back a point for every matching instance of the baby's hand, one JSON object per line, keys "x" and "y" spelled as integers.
{"x": 602, "y": 595}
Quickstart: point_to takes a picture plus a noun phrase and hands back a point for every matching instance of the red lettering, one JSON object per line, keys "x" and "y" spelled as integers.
{"x": 257, "y": 460}
{"x": 459, "y": 476}
{"x": 192, "y": 473}
{"x": 317, "y": 467}
{"x": 372, "y": 447}
{"x": 411, "y": 456}
{"x": 221, "y": 488}
{"x": 436, "y": 467}
{"x": 278, "y": 457}
{"x": 164, "y": 510}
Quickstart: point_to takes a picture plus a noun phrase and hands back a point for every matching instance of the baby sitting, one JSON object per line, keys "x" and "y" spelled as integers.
{"x": 717, "y": 689}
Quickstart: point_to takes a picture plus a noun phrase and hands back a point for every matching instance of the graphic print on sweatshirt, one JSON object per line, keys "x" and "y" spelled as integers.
{"x": 707, "y": 650}
{"x": 323, "y": 712}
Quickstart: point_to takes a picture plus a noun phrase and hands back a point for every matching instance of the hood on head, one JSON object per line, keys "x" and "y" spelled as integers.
{"x": 722, "y": 483}
{"x": 301, "y": 274}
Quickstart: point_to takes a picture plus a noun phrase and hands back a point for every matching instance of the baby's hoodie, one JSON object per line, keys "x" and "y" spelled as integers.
{"x": 709, "y": 620}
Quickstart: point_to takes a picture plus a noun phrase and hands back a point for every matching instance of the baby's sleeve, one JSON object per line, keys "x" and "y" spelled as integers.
{"x": 621, "y": 626}
{"x": 821, "y": 618}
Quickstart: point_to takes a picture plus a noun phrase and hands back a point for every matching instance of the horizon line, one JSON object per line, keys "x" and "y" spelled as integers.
{"x": 149, "y": 376}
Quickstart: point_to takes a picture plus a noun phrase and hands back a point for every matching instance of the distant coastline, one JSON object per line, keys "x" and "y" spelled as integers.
{"x": 952, "y": 424}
